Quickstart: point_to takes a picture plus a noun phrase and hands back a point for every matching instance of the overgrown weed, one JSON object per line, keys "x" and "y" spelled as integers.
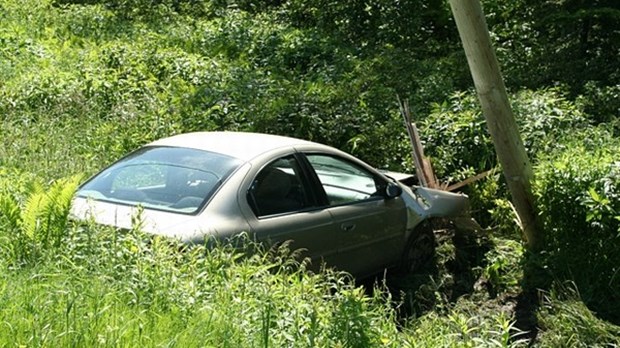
{"x": 567, "y": 322}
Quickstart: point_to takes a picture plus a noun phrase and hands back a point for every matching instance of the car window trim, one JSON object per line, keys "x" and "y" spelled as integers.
{"x": 312, "y": 181}
{"x": 303, "y": 210}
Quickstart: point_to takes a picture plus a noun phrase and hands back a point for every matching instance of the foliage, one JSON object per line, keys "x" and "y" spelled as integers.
{"x": 105, "y": 287}
{"x": 468, "y": 144}
{"x": 567, "y": 322}
{"x": 457, "y": 141}
{"x": 456, "y": 136}
{"x": 545, "y": 117}
{"x": 503, "y": 269}
{"x": 149, "y": 10}
{"x": 463, "y": 298}
{"x": 541, "y": 43}
{"x": 36, "y": 224}
{"x": 464, "y": 329}
{"x": 83, "y": 82}
{"x": 602, "y": 104}
{"x": 577, "y": 189}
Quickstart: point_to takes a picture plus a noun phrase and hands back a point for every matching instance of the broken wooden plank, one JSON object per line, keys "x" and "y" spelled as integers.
{"x": 469, "y": 180}
{"x": 424, "y": 170}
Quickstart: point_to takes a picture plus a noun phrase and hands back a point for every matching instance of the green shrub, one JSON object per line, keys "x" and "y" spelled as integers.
{"x": 465, "y": 326}
{"x": 578, "y": 194}
{"x": 456, "y": 136}
{"x": 602, "y": 104}
{"x": 148, "y": 9}
{"x": 459, "y": 145}
{"x": 545, "y": 117}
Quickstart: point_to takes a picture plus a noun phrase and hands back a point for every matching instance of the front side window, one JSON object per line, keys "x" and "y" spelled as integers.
{"x": 278, "y": 188}
{"x": 344, "y": 182}
{"x": 165, "y": 178}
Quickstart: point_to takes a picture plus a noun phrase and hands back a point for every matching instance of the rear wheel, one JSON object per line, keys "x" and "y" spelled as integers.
{"x": 420, "y": 248}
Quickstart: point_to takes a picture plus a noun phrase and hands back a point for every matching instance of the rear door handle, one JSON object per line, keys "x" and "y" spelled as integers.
{"x": 347, "y": 227}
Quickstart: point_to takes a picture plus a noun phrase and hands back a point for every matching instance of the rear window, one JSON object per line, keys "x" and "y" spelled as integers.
{"x": 164, "y": 178}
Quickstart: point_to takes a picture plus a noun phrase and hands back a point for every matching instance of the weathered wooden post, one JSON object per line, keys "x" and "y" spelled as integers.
{"x": 423, "y": 168}
{"x": 502, "y": 126}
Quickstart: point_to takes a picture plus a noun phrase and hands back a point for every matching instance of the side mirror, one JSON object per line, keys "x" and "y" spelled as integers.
{"x": 393, "y": 190}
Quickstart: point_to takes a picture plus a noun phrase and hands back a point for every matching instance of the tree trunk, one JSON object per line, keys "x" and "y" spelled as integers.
{"x": 500, "y": 119}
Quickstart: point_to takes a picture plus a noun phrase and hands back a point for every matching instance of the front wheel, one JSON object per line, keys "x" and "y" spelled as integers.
{"x": 420, "y": 248}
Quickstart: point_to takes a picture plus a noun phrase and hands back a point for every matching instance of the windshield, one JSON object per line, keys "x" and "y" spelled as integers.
{"x": 165, "y": 178}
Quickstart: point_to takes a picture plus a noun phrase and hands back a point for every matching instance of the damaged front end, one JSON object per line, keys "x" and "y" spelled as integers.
{"x": 425, "y": 203}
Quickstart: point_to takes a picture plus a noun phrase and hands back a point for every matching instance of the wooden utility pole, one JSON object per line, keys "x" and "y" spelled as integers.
{"x": 502, "y": 126}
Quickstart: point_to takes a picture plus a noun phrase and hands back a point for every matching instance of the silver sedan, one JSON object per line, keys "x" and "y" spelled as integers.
{"x": 217, "y": 184}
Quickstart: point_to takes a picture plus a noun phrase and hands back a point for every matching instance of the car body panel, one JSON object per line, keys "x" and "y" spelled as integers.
{"x": 437, "y": 203}
{"x": 305, "y": 230}
{"x": 242, "y": 145}
{"x": 369, "y": 230}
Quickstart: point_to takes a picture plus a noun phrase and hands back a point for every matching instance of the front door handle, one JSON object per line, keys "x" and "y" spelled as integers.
{"x": 347, "y": 227}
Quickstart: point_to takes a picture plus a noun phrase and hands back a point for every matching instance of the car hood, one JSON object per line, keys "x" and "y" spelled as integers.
{"x": 157, "y": 222}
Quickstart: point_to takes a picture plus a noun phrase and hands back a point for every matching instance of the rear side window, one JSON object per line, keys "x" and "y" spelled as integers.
{"x": 164, "y": 178}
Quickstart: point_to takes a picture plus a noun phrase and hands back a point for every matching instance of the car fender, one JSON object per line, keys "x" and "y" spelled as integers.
{"x": 424, "y": 203}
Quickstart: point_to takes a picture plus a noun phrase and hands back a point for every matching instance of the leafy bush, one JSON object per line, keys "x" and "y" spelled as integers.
{"x": 148, "y": 9}
{"x": 602, "y": 104}
{"x": 545, "y": 117}
{"x": 456, "y": 136}
{"x": 503, "y": 269}
{"x": 463, "y": 328}
{"x": 578, "y": 195}
{"x": 459, "y": 145}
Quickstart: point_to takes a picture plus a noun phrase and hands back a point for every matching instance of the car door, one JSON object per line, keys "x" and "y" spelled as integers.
{"x": 284, "y": 208}
{"x": 369, "y": 227}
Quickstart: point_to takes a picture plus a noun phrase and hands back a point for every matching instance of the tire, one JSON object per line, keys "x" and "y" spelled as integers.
{"x": 420, "y": 249}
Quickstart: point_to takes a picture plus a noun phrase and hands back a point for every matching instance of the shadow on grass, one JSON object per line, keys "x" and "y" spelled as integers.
{"x": 452, "y": 272}
{"x": 484, "y": 275}
{"x": 457, "y": 270}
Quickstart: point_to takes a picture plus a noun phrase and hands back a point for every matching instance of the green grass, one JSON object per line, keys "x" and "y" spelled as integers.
{"x": 80, "y": 86}
{"x": 105, "y": 288}
{"x": 567, "y": 322}
{"x": 101, "y": 287}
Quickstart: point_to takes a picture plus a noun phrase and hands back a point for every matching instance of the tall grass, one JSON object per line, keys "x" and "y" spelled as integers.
{"x": 38, "y": 222}
{"x": 83, "y": 84}
{"x": 104, "y": 287}
{"x": 578, "y": 189}
{"x": 100, "y": 286}
{"x": 67, "y": 283}
{"x": 567, "y": 322}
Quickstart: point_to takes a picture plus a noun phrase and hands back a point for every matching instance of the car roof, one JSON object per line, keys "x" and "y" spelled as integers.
{"x": 241, "y": 145}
